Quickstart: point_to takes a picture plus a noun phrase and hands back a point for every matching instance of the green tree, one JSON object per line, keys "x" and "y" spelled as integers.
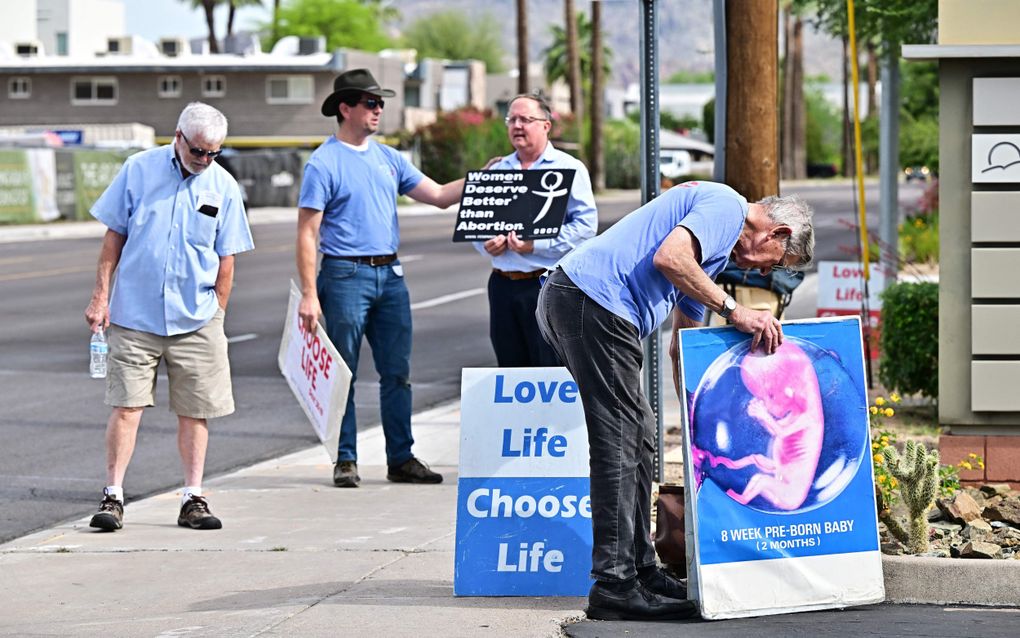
{"x": 692, "y": 77}
{"x": 449, "y": 35}
{"x": 556, "y": 53}
{"x": 344, "y": 23}
{"x": 823, "y": 127}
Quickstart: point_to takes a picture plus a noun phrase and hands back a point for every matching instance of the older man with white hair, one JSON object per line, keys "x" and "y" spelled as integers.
{"x": 175, "y": 220}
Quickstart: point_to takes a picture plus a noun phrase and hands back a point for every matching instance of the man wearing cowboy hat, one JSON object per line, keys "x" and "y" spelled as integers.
{"x": 348, "y": 210}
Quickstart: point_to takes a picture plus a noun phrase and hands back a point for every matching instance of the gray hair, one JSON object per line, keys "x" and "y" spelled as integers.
{"x": 199, "y": 118}
{"x": 794, "y": 212}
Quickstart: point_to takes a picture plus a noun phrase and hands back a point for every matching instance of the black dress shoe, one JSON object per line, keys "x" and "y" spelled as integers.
{"x": 637, "y": 603}
{"x": 664, "y": 584}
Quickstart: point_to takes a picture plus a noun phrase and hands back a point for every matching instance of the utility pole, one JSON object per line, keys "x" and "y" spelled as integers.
{"x": 595, "y": 167}
{"x": 752, "y": 139}
{"x": 522, "y": 46}
{"x": 573, "y": 62}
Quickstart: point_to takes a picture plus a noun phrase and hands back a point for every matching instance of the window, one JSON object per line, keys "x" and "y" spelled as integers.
{"x": 290, "y": 89}
{"x": 214, "y": 86}
{"x": 61, "y": 43}
{"x": 19, "y": 88}
{"x": 168, "y": 86}
{"x": 93, "y": 91}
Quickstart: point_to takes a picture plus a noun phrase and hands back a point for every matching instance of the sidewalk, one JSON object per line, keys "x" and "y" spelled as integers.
{"x": 295, "y": 557}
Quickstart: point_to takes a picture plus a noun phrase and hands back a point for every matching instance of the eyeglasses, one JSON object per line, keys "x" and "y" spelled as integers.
{"x": 199, "y": 153}
{"x": 523, "y": 120}
{"x": 372, "y": 102}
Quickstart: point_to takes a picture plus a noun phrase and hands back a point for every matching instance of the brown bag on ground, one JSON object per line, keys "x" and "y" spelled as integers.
{"x": 670, "y": 542}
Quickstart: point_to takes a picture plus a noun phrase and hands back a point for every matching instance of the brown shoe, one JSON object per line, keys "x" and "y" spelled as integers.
{"x": 413, "y": 471}
{"x": 110, "y": 516}
{"x": 345, "y": 474}
{"x": 196, "y": 515}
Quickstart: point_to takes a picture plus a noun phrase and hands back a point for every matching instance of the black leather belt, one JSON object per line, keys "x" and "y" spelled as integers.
{"x": 370, "y": 260}
{"x": 518, "y": 276}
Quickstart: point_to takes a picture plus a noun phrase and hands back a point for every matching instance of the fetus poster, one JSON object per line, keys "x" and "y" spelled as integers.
{"x": 780, "y": 500}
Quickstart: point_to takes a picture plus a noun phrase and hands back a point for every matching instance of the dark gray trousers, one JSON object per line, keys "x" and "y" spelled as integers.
{"x": 603, "y": 353}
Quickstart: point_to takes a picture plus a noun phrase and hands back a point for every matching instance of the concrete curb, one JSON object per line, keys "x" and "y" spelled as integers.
{"x": 951, "y": 581}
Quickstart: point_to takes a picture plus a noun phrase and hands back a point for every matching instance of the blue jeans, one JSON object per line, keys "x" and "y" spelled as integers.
{"x": 361, "y": 300}
{"x": 603, "y": 353}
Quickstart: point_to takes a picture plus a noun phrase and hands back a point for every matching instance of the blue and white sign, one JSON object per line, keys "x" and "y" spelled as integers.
{"x": 523, "y": 501}
{"x": 781, "y": 497}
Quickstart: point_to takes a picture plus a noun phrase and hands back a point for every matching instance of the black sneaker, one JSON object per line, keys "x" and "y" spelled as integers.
{"x": 345, "y": 474}
{"x": 196, "y": 515}
{"x": 110, "y": 516}
{"x": 413, "y": 471}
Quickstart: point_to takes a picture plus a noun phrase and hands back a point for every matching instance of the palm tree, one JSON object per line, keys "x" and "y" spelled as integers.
{"x": 573, "y": 60}
{"x": 557, "y": 56}
{"x": 208, "y": 6}
{"x": 234, "y": 5}
{"x": 522, "y": 46}
{"x": 595, "y": 167}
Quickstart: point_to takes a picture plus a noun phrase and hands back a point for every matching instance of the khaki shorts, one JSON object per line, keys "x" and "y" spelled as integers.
{"x": 196, "y": 364}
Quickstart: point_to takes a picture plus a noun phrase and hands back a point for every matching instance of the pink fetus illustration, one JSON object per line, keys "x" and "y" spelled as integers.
{"x": 787, "y": 403}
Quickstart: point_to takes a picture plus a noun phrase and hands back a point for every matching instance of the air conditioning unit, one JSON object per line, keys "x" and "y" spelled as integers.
{"x": 174, "y": 47}
{"x": 308, "y": 46}
{"x": 119, "y": 46}
{"x": 32, "y": 49}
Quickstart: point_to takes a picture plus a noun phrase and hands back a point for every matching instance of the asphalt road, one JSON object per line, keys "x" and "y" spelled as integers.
{"x": 52, "y": 416}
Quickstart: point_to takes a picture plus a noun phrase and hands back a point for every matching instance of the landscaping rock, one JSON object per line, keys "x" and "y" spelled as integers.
{"x": 1007, "y": 511}
{"x": 996, "y": 489}
{"x": 960, "y": 508}
{"x": 980, "y": 549}
{"x": 976, "y": 494}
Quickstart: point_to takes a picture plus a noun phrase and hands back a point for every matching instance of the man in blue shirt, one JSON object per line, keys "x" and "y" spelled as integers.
{"x": 606, "y": 297}
{"x": 174, "y": 223}
{"x": 348, "y": 210}
{"x": 518, "y": 264}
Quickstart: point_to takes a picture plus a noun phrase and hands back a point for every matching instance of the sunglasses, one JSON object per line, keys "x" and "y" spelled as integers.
{"x": 199, "y": 153}
{"x": 372, "y": 102}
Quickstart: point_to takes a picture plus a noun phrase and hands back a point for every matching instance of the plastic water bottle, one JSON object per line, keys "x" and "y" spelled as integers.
{"x": 98, "y": 349}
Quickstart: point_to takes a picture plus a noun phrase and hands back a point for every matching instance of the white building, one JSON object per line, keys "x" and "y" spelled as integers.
{"x": 76, "y": 28}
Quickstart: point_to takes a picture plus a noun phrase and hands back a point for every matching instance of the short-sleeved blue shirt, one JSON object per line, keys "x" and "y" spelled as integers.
{"x": 616, "y": 270}
{"x": 357, "y": 192}
{"x": 166, "y": 277}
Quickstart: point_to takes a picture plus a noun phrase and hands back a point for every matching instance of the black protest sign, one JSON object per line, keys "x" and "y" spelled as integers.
{"x": 530, "y": 203}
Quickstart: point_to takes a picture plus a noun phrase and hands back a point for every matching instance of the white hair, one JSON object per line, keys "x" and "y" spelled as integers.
{"x": 203, "y": 120}
{"x": 794, "y": 212}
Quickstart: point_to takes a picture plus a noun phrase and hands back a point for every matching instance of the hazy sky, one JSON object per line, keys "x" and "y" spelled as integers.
{"x": 154, "y": 19}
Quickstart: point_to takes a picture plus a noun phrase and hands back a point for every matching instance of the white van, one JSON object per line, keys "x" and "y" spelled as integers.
{"x": 674, "y": 163}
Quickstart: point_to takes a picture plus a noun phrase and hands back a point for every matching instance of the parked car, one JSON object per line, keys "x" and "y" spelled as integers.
{"x": 674, "y": 163}
{"x": 822, "y": 170}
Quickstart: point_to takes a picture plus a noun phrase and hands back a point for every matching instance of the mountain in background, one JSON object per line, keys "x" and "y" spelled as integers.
{"x": 686, "y": 33}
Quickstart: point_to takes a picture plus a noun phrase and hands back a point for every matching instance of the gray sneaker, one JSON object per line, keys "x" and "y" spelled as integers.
{"x": 110, "y": 516}
{"x": 345, "y": 474}
{"x": 413, "y": 471}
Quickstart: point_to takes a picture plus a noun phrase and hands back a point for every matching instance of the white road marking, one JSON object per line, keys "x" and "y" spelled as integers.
{"x": 456, "y": 296}
{"x": 241, "y": 338}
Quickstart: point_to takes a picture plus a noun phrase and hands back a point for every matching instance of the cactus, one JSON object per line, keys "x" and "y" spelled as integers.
{"x": 917, "y": 471}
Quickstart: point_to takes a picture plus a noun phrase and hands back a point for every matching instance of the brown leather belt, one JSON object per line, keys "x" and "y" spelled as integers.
{"x": 372, "y": 260}
{"x": 517, "y": 276}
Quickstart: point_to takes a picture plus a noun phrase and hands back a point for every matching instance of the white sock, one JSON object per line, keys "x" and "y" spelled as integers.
{"x": 188, "y": 492}
{"x": 114, "y": 491}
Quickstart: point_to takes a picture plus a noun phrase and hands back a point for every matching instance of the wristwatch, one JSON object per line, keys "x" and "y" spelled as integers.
{"x": 728, "y": 306}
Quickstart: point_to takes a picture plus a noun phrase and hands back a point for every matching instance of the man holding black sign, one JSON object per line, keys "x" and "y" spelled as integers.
{"x": 597, "y": 307}
{"x": 517, "y": 264}
{"x": 349, "y": 190}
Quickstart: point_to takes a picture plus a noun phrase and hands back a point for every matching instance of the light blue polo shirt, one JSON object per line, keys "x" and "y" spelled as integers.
{"x": 615, "y": 269}
{"x": 580, "y": 222}
{"x": 357, "y": 192}
{"x": 166, "y": 277}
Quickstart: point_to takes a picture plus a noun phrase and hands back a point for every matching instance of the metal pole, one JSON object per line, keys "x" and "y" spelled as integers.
{"x": 649, "y": 191}
{"x": 719, "y": 137}
{"x": 889, "y": 163}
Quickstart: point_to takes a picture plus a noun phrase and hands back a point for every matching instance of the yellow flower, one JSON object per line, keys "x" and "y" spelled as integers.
{"x": 981, "y": 464}
{"x": 878, "y": 458}
{"x": 919, "y": 223}
{"x": 884, "y": 440}
{"x": 873, "y": 410}
{"x": 881, "y": 478}
{"x": 889, "y": 412}
{"x": 972, "y": 455}
{"x": 893, "y": 483}
{"x": 895, "y": 398}
{"x": 965, "y": 465}
{"x": 879, "y": 401}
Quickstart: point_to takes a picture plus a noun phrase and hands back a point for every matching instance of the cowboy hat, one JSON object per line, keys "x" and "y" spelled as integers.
{"x": 353, "y": 81}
